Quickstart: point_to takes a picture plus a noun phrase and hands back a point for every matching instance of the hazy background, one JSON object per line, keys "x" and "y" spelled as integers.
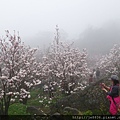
{"x": 94, "y": 24}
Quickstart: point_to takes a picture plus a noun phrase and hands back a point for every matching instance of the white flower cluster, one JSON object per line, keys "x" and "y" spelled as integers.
{"x": 110, "y": 63}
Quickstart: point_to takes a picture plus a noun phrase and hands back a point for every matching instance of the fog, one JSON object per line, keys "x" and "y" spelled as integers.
{"x": 36, "y": 20}
{"x": 100, "y": 40}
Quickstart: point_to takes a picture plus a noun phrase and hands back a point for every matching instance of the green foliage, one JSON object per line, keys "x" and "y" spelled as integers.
{"x": 17, "y": 109}
{"x": 34, "y": 100}
{"x": 38, "y": 98}
{"x": 34, "y": 92}
{"x": 103, "y": 109}
{"x": 41, "y": 100}
{"x": 88, "y": 112}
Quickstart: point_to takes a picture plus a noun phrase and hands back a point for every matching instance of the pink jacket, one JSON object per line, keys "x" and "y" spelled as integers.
{"x": 113, "y": 108}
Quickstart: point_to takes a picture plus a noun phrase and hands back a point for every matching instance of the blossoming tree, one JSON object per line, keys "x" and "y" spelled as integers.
{"x": 110, "y": 63}
{"x": 18, "y": 71}
{"x": 65, "y": 65}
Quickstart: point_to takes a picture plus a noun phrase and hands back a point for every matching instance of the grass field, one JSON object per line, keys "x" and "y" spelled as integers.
{"x": 38, "y": 99}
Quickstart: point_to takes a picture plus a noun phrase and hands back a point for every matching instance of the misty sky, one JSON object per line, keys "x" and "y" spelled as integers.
{"x": 30, "y": 17}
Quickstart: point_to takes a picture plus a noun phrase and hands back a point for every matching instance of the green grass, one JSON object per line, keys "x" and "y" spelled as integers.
{"x": 37, "y": 101}
{"x": 43, "y": 104}
{"x": 17, "y": 109}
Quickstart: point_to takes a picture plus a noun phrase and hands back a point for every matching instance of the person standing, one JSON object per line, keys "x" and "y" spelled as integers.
{"x": 94, "y": 75}
{"x": 112, "y": 94}
{"x": 97, "y": 73}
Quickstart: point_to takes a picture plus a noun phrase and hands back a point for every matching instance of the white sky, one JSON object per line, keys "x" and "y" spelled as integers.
{"x": 73, "y": 16}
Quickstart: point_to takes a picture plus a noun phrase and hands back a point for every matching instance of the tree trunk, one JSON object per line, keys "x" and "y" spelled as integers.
{"x": 24, "y": 101}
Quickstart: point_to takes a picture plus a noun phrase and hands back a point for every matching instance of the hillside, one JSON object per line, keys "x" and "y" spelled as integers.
{"x": 99, "y": 40}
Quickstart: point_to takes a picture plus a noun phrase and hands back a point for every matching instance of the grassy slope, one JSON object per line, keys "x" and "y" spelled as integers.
{"x": 43, "y": 102}
{"x": 38, "y": 99}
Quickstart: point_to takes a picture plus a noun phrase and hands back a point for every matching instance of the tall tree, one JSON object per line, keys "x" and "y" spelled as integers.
{"x": 65, "y": 65}
{"x": 18, "y": 67}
